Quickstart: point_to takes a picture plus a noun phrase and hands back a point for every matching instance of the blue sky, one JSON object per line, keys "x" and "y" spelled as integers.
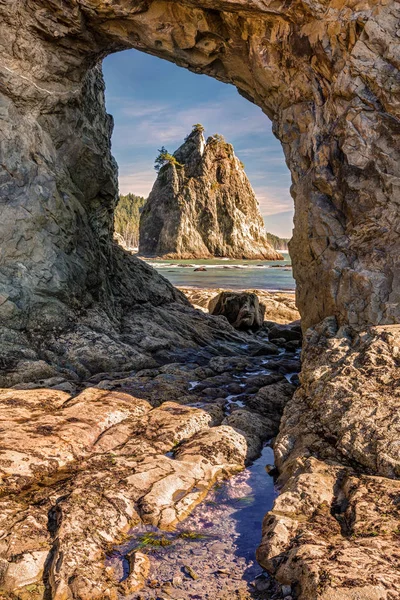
{"x": 155, "y": 103}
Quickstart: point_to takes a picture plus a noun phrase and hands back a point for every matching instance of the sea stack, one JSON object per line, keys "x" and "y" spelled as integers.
{"x": 202, "y": 205}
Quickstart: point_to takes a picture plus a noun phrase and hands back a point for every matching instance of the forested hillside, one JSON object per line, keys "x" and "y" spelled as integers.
{"x": 276, "y": 242}
{"x": 126, "y": 219}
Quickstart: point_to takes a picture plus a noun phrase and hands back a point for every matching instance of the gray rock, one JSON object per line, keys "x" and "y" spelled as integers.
{"x": 203, "y": 205}
{"x": 286, "y": 590}
{"x": 242, "y": 309}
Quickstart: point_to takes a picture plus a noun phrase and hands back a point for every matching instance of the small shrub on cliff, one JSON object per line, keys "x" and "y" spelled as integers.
{"x": 217, "y": 138}
{"x": 198, "y": 127}
{"x": 164, "y": 158}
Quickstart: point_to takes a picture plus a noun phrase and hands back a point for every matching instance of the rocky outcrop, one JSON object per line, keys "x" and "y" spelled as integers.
{"x": 112, "y": 449}
{"x": 280, "y": 307}
{"x": 73, "y": 305}
{"x": 242, "y": 309}
{"x": 202, "y": 205}
{"x": 77, "y": 472}
{"x": 334, "y": 528}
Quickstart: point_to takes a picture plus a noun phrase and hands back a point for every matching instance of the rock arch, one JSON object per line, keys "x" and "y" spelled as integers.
{"x": 326, "y": 76}
{"x": 326, "y": 73}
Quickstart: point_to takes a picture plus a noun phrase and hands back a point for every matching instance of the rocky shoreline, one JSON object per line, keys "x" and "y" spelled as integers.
{"x": 280, "y": 307}
{"x": 86, "y": 460}
{"x": 78, "y": 471}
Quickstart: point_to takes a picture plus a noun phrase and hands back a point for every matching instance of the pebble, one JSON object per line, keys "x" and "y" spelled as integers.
{"x": 189, "y": 571}
{"x": 286, "y": 590}
{"x": 262, "y": 584}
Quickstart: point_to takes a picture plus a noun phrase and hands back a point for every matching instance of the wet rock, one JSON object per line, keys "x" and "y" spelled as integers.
{"x": 214, "y": 393}
{"x": 271, "y": 399}
{"x": 286, "y": 332}
{"x": 139, "y": 569}
{"x": 27, "y": 372}
{"x": 265, "y": 349}
{"x": 262, "y": 584}
{"x": 242, "y": 309}
{"x": 234, "y": 388}
{"x": 220, "y": 364}
{"x": 285, "y": 365}
{"x": 262, "y": 380}
{"x": 293, "y": 345}
{"x": 333, "y": 528}
{"x": 217, "y": 380}
{"x": 255, "y": 428}
{"x": 216, "y": 412}
{"x": 286, "y": 590}
{"x": 190, "y": 572}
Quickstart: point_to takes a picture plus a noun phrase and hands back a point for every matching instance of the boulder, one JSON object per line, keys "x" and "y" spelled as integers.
{"x": 242, "y": 309}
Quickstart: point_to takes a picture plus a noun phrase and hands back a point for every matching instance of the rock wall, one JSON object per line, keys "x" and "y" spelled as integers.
{"x": 328, "y": 80}
{"x": 203, "y": 206}
{"x": 327, "y": 75}
{"x": 333, "y": 532}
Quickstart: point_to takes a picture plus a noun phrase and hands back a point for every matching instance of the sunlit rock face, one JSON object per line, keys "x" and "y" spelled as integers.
{"x": 242, "y": 309}
{"x": 327, "y": 78}
{"x": 327, "y": 75}
{"x": 203, "y": 206}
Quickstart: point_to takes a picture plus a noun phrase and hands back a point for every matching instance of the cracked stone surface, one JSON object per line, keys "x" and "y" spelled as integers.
{"x": 334, "y": 527}
{"x": 74, "y": 307}
{"x": 77, "y": 472}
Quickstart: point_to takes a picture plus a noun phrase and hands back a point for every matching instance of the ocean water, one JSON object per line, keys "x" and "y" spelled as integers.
{"x": 229, "y": 273}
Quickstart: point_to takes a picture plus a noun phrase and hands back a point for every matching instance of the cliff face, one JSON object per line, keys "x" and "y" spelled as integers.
{"x": 74, "y": 307}
{"x": 203, "y": 206}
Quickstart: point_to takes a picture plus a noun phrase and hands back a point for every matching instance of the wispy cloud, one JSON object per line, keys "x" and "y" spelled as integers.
{"x": 273, "y": 200}
{"x": 137, "y": 110}
{"x": 139, "y": 126}
{"x": 280, "y": 223}
{"x": 138, "y": 179}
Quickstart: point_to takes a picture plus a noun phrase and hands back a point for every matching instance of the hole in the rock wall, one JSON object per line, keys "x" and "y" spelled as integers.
{"x": 155, "y": 105}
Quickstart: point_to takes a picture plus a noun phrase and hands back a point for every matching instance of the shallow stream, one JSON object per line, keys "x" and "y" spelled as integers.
{"x": 211, "y": 555}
